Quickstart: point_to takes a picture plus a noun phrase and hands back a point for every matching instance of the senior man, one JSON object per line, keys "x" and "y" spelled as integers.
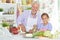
{"x": 29, "y": 18}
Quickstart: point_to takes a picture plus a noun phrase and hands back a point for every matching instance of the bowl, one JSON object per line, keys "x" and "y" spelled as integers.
{"x": 28, "y": 35}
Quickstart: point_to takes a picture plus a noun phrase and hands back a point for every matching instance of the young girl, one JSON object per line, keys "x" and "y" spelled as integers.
{"x": 45, "y": 25}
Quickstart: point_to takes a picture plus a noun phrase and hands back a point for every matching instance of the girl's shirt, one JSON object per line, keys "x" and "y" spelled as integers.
{"x": 43, "y": 27}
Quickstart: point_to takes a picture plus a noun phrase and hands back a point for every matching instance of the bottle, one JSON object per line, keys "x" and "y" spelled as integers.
{"x": 23, "y": 2}
{"x": 34, "y": 28}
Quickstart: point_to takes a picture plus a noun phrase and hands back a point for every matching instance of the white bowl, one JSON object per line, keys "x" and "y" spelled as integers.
{"x": 28, "y": 35}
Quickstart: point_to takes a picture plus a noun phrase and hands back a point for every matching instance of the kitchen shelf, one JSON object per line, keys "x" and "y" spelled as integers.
{"x": 7, "y": 7}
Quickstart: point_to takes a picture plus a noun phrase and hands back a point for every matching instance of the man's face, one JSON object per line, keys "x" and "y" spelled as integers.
{"x": 45, "y": 19}
{"x": 35, "y": 8}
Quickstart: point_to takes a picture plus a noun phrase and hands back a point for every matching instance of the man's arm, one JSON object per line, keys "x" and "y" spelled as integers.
{"x": 19, "y": 23}
{"x": 19, "y": 20}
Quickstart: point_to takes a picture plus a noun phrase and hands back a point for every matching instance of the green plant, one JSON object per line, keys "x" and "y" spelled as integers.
{"x": 1, "y": 9}
{"x": 4, "y": 24}
{"x": 28, "y": 8}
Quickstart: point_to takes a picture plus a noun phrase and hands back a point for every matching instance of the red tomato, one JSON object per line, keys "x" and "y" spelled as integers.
{"x": 14, "y": 30}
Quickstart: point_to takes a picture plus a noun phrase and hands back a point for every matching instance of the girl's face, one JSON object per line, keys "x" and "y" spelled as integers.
{"x": 45, "y": 19}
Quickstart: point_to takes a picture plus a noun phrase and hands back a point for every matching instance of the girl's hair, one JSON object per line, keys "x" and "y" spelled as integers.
{"x": 44, "y": 14}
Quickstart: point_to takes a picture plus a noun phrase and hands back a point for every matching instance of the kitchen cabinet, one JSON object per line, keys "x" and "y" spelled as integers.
{"x": 8, "y": 1}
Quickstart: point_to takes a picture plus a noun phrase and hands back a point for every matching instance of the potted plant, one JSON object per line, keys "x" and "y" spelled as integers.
{"x": 5, "y": 25}
{"x": 29, "y": 8}
{"x": 1, "y": 11}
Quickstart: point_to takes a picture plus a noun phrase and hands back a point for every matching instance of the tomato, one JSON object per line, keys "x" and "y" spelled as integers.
{"x": 14, "y": 30}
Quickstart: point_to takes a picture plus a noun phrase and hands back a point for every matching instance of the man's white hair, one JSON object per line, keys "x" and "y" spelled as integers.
{"x": 35, "y": 2}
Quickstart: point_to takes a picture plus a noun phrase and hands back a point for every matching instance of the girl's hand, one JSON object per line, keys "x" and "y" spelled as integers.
{"x": 43, "y": 29}
{"x": 30, "y": 31}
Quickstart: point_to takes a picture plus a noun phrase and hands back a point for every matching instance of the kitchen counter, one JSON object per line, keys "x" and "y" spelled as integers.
{"x": 6, "y": 35}
{"x": 19, "y": 37}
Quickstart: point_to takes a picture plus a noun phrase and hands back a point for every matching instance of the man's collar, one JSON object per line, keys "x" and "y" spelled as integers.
{"x": 33, "y": 16}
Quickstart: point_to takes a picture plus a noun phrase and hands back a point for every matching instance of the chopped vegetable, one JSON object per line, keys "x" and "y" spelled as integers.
{"x": 47, "y": 34}
{"x": 38, "y": 34}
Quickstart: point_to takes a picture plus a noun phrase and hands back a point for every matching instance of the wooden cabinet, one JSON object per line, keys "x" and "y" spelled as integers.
{"x": 7, "y": 1}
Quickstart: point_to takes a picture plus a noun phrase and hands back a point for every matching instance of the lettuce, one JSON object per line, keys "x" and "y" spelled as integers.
{"x": 38, "y": 34}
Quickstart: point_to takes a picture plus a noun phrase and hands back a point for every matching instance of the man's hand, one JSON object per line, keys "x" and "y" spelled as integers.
{"x": 30, "y": 31}
{"x": 22, "y": 27}
{"x": 34, "y": 29}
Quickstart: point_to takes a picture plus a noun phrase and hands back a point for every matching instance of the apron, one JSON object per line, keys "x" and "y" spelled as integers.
{"x": 30, "y": 22}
